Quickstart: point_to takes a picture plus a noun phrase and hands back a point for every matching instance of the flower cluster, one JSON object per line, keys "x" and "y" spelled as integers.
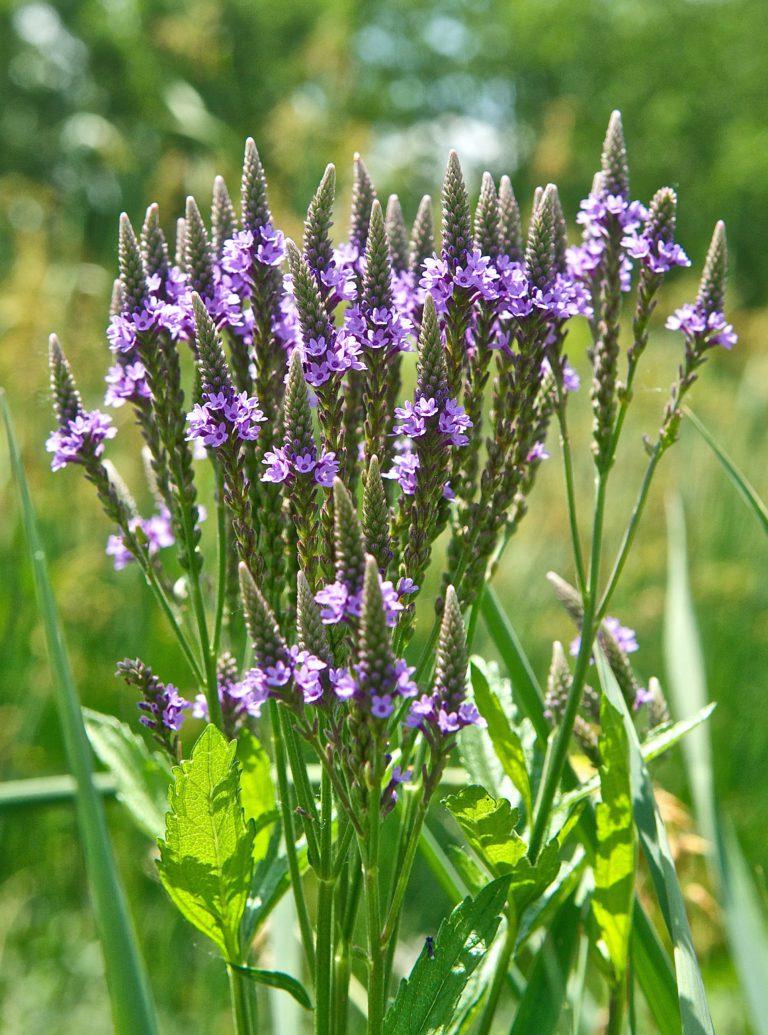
{"x": 396, "y": 683}
{"x": 598, "y": 214}
{"x": 625, "y": 637}
{"x": 696, "y": 323}
{"x": 285, "y": 464}
{"x": 223, "y": 416}
{"x": 340, "y": 602}
{"x": 433, "y": 710}
{"x": 82, "y": 436}
{"x": 158, "y": 531}
{"x": 415, "y": 419}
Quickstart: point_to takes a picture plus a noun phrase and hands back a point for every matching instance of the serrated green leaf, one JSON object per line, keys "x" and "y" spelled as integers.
{"x": 506, "y": 742}
{"x": 257, "y": 790}
{"x": 141, "y": 776}
{"x": 616, "y": 849}
{"x": 278, "y": 979}
{"x": 694, "y": 1011}
{"x": 206, "y": 859}
{"x": 427, "y": 998}
{"x": 489, "y": 826}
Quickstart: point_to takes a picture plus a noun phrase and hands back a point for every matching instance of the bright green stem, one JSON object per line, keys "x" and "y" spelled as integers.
{"x": 499, "y": 980}
{"x": 565, "y": 444}
{"x": 631, "y": 530}
{"x": 370, "y": 849}
{"x": 241, "y": 1001}
{"x": 616, "y": 1006}
{"x": 301, "y": 785}
{"x": 289, "y": 833}
{"x": 403, "y": 875}
{"x": 154, "y": 584}
{"x": 324, "y": 943}
{"x": 557, "y": 749}
{"x": 221, "y": 587}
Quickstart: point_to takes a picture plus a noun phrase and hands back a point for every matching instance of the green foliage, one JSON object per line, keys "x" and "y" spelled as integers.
{"x": 616, "y": 846}
{"x": 506, "y": 742}
{"x": 489, "y": 826}
{"x": 257, "y": 791}
{"x": 427, "y": 998}
{"x": 141, "y": 776}
{"x": 206, "y": 858}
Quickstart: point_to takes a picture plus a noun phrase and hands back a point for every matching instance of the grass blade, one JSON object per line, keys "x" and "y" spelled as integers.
{"x": 742, "y": 483}
{"x": 694, "y": 1011}
{"x": 526, "y": 686}
{"x": 742, "y": 910}
{"x": 130, "y": 995}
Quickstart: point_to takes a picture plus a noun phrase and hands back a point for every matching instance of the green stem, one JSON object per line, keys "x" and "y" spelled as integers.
{"x": 616, "y": 1010}
{"x": 324, "y": 943}
{"x": 370, "y": 852}
{"x": 154, "y": 584}
{"x": 301, "y": 786}
{"x": 630, "y": 531}
{"x": 403, "y": 875}
{"x": 565, "y": 444}
{"x": 289, "y": 834}
{"x": 221, "y": 588}
{"x": 240, "y": 997}
{"x": 557, "y": 748}
{"x": 499, "y": 979}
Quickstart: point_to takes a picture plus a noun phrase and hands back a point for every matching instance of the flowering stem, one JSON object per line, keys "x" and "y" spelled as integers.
{"x": 499, "y": 978}
{"x": 324, "y": 943}
{"x": 289, "y": 835}
{"x": 631, "y": 530}
{"x": 403, "y": 876}
{"x": 370, "y": 850}
{"x": 160, "y": 595}
{"x": 221, "y": 588}
{"x": 565, "y": 444}
{"x": 239, "y": 994}
{"x": 557, "y": 749}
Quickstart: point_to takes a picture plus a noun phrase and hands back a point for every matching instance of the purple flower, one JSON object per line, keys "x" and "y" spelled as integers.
{"x": 225, "y": 416}
{"x": 283, "y": 465}
{"x": 538, "y": 452}
{"x": 643, "y": 696}
{"x": 694, "y": 322}
{"x": 339, "y": 602}
{"x": 624, "y": 636}
{"x": 166, "y": 708}
{"x": 158, "y": 531}
{"x": 84, "y": 435}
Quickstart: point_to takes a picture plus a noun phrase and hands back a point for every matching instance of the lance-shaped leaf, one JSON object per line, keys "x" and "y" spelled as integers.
{"x": 489, "y": 826}
{"x": 427, "y": 998}
{"x": 506, "y": 742}
{"x": 278, "y": 979}
{"x": 616, "y": 848}
{"x": 206, "y": 859}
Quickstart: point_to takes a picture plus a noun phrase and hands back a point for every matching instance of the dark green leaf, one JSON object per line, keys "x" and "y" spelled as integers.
{"x": 277, "y": 979}
{"x": 427, "y": 998}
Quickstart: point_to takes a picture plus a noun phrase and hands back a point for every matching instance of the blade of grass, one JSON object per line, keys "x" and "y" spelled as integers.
{"x": 130, "y": 995}
{"x": 743, "y": 486}
{"x": 694, "y": 1011}
{"x": 49, "y": 790}
{"x": 744, "y": 916}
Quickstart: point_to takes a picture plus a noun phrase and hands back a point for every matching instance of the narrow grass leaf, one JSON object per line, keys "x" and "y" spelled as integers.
{"x": 694, "y": 1011}
{"x": 506, "y": 742}
{"x": 740, "y": 480}
{"x": 129, "y": 991}
{"x": 527, "y": 690}
{"x": 427, "y": 998}
{"x": 141, "y": 776}
{"x": 206, "y": 858}
{"x": 743, "y": 912}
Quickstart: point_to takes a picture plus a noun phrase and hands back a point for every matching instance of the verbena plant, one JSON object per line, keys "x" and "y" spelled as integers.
{"x": 333, "y": 484}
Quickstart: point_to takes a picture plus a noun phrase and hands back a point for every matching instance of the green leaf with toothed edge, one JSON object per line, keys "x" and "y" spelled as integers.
{"x": 206, "y": 858}
{"x": 426, "y": 1000}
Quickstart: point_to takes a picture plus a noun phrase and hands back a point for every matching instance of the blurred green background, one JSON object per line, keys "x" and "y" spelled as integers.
{"x": 110, "y": 104}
